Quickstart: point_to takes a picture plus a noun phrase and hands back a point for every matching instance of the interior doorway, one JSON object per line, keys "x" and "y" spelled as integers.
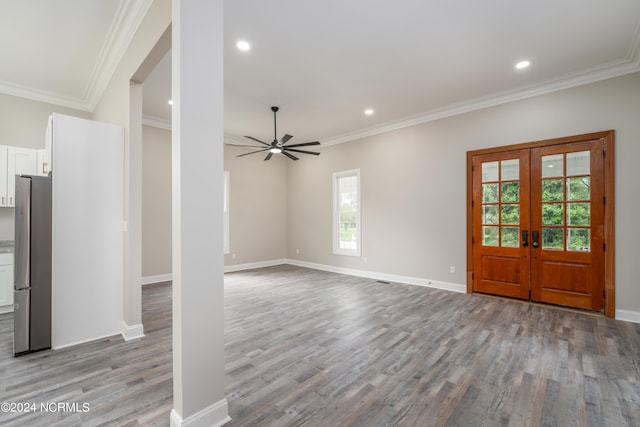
{"x": 540, "y": 221}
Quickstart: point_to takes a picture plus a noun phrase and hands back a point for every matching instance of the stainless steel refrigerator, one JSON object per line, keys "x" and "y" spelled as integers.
{"x": 32, "y": 274}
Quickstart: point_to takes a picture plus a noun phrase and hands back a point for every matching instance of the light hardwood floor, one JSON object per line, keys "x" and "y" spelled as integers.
{"x": 306, "y": 347}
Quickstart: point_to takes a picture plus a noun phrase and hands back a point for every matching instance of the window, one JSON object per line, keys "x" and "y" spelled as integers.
{"x": 346, "y": 213}
{"x": 225, "y": 214}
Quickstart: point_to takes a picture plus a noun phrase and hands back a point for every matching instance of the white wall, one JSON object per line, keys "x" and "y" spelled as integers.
{"x": 414, "y": 187}
{"x": 23, "y": 123}
{"x": 114, "y": 107}
{"x": 258, "y": 206}
{"x": 156, "y": 203}
{"x": 414, "y": 183}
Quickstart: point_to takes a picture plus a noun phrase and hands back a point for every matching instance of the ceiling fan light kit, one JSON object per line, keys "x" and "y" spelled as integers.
{"x": 277, "y": 146}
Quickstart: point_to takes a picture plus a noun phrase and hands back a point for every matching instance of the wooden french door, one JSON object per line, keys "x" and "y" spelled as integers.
{"x": 538, "y": 216}
{"x": 501, "y": 206}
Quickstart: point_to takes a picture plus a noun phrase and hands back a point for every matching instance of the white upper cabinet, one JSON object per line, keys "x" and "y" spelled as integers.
{"x": 19, "y": 161}
{"x": 48, "y": 148}
{"x": 4, "y": 196}
{"x": 42, "y": 168}
{"x": 14, "y": 161}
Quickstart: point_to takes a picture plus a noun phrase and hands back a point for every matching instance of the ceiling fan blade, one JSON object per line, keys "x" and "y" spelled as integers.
{"x": 285, "y": 138}
{"x": 268, "y": 156}
{"x": 301, "y": 151}
{"x": 304, "y": 144}
{"x": 252, "y": 152}
{"x": 257, "y": 140}
{"x": 240, "y": 145}
{"x": 291, "y": 156}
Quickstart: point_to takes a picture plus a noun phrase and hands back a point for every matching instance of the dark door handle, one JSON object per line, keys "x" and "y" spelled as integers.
{"x": 525, "y": 238}
{"x": 535, "y": 236}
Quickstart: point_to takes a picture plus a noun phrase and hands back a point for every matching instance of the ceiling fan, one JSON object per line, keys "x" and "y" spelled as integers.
{"x": 277, "y": 146}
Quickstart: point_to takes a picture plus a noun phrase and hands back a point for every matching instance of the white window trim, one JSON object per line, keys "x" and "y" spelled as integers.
{"x": 336, "y": 229}
{"x": 225, "y": 213}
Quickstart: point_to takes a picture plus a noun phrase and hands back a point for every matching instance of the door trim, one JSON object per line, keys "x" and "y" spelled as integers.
{"x": 609, "y": 208}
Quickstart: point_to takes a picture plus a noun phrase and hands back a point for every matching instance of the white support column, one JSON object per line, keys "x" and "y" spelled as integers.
{"x": 197, "y": 156}
{"x": 132, "y": 323}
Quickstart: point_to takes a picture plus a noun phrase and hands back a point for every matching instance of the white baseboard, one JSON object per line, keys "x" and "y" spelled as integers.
{"x": 453, "y": 287}
{"x": 252, "y": 265}
{"x": 132, "y": 332}
{"x": 212, "y": 416}
{"x": 625, "y": 315}
{"x": 56, "y": 346}
{"x": 6, "y": 309}
{"x": 628, "y": 316}
{"x": 148, "y": 280}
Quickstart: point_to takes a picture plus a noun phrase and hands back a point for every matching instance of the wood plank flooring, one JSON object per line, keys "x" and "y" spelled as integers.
{"x": 312, "y": 348}
{"x": 124, "y": 383}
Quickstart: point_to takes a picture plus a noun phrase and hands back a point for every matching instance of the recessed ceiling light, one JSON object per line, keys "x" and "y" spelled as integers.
{"x": 522, "y": 64}
{"x": 243, "y": 45}
{"x": 368, "y": 111}
{"x": 170, "y": 102}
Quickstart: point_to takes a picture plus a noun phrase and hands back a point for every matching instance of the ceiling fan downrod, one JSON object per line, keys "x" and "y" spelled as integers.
{"x": 275, "y": 128}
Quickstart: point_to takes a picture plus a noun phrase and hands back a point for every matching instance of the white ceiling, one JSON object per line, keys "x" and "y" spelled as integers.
{"x": 324, "y": 62}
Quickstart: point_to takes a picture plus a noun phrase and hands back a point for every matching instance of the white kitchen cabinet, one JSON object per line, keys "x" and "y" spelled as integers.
{"x": 48, "y": 148}
{"x": 6, "y": 282}
{"x": 19, "y": 161}
{"x": 4, "y": 196}
{"x": 42, "y": 163}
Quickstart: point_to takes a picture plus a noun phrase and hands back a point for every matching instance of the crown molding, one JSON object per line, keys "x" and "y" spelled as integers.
{"x": 156, "y": 122}
{"x": 14, "y": 89}
{"x": 130, "y": 14}
{"x": 128, "y": 18}
{"x": 591, "y": 75}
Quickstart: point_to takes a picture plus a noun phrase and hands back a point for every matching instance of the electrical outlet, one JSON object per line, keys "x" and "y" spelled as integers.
{"x": 364, "y": 260}
{"x": 452, "y": 269}
{"x": 233, "y": 256}
{"x": 297, "y": 251}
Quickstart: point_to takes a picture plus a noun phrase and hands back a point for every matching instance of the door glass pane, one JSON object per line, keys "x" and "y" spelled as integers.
{"x": 579, "y": 188}
{"x": 490, "y": 235}
{"x": 489, "y": 193}
{"x": 552, "y": 238}
{"x": 510, "y": 214}
{"x": 490, "y": 172}
{"x": 578, "y": 213}
{"x": 552, "y": 165}
{"x": 552, "y": 214}
{"x": 579, "y": 239}
{"x": 510, "y": 170}
{"x": 510, "y": 237}
{"x": 490, "y": 214}
{"x": 552, "y": 190}
{"x": 578, "y": 163}
{"x": 510, "y": 192}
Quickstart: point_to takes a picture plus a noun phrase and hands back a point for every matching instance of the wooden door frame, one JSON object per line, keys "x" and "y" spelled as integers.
{"x": 609, "y": 208}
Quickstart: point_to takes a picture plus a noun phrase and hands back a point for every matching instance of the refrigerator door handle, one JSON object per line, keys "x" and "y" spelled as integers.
{"x": 22, "y": 279}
